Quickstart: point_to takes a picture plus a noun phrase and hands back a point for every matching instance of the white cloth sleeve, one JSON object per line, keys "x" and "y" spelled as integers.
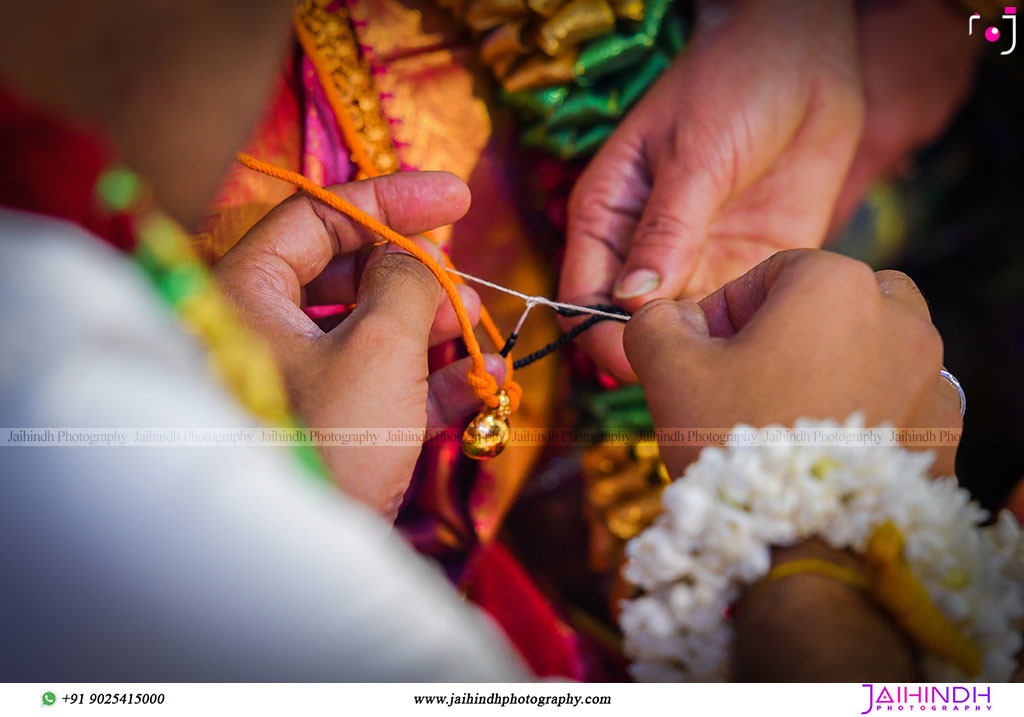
{"x": 184, "y": 564}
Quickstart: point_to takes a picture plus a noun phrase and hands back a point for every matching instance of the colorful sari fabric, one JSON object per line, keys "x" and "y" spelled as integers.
{"x": 413, "y": 74}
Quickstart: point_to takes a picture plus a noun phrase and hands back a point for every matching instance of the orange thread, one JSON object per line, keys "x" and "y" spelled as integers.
{"x": 484, "y": 385}
{"x": 368, "y": 169}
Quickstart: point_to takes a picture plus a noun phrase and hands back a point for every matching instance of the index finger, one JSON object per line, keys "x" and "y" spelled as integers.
{"x": 306, "y": 234}
{"x": 606, "y": 204}
{"x": 290, "y": 247}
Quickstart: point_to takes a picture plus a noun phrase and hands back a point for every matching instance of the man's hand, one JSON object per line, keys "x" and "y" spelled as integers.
{"x": 917, "y": 63}
{"x": 739, "y": 150}
{"x": 370, "y": 371}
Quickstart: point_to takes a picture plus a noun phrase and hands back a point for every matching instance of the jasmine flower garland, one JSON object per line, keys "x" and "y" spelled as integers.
{"x": 722, "y": 518}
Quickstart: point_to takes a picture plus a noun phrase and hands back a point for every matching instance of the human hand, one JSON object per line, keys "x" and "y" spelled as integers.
{"x": 917, "y": 63}
{"x": 739, "y": 150}
{"x": 371, "y": 370}
{"x": 804, "y": 334}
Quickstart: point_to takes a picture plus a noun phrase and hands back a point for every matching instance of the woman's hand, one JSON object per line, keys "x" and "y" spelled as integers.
{"x": 804, "y": 334}
{"x": 739, "y": 150}
{"x": 370, "y": 371}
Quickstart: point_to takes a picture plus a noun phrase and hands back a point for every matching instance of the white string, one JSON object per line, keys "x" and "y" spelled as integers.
{"x": 539, "y": 299}
{"x": 522, "y": 319}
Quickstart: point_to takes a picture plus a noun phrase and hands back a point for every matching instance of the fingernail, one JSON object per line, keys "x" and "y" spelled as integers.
{"x": 694, "y": 317}
{"x": 637, "y": 283}
{"x": 393, "y": 248}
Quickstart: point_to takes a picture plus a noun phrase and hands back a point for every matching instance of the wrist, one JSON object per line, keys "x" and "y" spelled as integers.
{"x": 825, "y": 28}
{"x": 951, "y": 584}
{"x": 812, "y": 626}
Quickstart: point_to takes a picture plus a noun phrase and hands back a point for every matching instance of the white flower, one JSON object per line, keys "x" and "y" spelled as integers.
{"x": 733, "y": 504}
{"x": 654, "y": 558}
{"x": 655, "y": 672}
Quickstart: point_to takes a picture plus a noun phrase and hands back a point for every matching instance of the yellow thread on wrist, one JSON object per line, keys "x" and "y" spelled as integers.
{"x": 894, "y": 586}
{"x": 890, "y": 582}
{"x": 814, "y": 566}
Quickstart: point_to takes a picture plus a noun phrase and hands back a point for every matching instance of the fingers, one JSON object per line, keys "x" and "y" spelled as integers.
{"x": 307, "y": 234}
{"x": 675, "y": 357}
{"x": 401, "y": 295}
{"x": 805, "y": 333}
{"x": 938, "y": 411}
{"x": 731, "y": 307}
{"x": 450, "y": 398}
{"x": 670, "y": 235}
{"x": 446, "y": 325}
{"x": 901, "y": 289}
{"x": 665, "y": 333}
{"x": 339, "y": 284}
{"x": 661, "y": 326}
{"x": 605, "y": 206}
{"x": 293, "y": 245}
{"x": 603, "y": 342}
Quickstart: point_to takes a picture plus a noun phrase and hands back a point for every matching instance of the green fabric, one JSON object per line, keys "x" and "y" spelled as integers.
{"x": 611, "y": 74}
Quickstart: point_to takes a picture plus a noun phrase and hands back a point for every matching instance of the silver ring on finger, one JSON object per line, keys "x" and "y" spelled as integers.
{"x": 959, "y": 389}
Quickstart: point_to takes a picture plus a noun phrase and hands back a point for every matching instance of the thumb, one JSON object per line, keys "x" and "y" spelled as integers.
{"x": 669, "y": 347}
{"x": 400, "y": 292}
{"x": 670, "y": 235}
{"x": 663, "y": 334}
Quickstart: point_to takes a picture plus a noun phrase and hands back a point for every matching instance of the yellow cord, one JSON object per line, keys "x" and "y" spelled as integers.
{"x": 890, "y": 582}
{"x": 815, "y": 566}
{"x": 895, "y": 587}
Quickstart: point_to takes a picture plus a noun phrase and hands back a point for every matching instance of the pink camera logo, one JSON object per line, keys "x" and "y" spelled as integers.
{"x": 993, "y": 33}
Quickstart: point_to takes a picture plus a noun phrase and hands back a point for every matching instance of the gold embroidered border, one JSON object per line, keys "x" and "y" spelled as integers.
{"x": 338, "y": 51}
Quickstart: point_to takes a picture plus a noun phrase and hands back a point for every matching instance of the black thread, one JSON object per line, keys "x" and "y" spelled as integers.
{"x": 568, "y": 335}
{"x": 607, "y": 308}
{"x": 509, "y": 343}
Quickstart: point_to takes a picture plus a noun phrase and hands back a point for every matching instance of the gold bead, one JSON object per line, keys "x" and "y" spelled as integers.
{"x": 487, "y": 435}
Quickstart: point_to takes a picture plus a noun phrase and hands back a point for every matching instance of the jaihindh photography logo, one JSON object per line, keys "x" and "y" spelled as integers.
{"x": 927, "y": 698}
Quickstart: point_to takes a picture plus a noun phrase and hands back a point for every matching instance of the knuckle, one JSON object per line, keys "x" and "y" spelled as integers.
{"x": 896, "y": 279}
{"x": 927, "y": 343}
{"x": 386, "y": 196}
{"x": 855, "y": 278}
{"x": 898, "y": 285}
{"x": 589, "y": 208}
{"x": 790, "y": 258}
{"x": 710, "y": 149}
{"x": 862, "y": 278}
{"x": 852, "y": 280}
{"x": 253, "y": 277}
{"x": 663, "y": 232}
